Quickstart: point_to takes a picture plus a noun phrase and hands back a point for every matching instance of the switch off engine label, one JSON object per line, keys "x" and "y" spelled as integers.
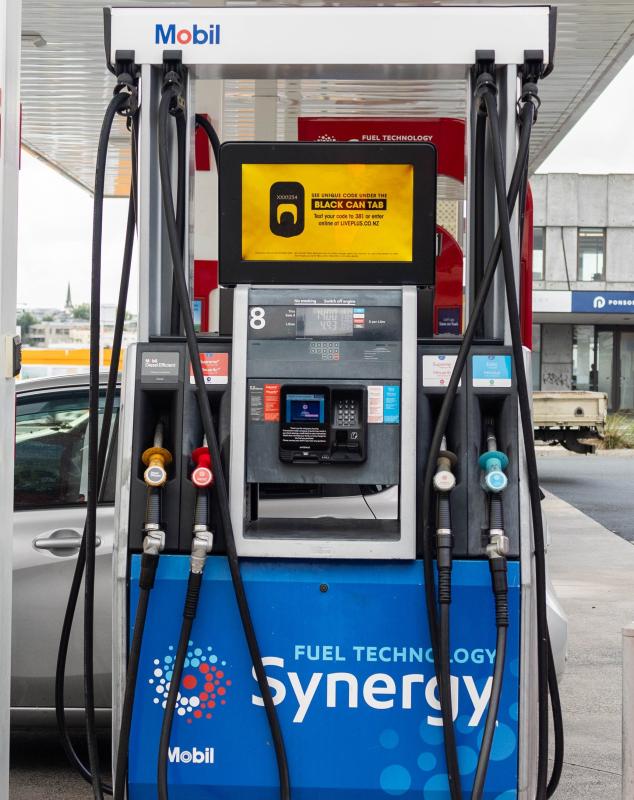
{"x": 493, "y": 371}
{"x": 384, "y": 404}
{"x": 437, "y": 370}
{"x": 215, "y": 368}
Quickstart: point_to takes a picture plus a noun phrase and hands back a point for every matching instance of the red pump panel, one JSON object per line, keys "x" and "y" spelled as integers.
{"x": 205, "y": 280}
{"x": 448, "y": 136}
{"x": 526, "y": 274}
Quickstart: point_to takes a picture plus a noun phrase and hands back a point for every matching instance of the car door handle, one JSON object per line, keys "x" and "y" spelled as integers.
{"x": 61, "y": 540}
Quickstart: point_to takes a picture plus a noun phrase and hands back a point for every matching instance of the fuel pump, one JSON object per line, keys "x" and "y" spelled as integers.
{"x": 297, "y": 632}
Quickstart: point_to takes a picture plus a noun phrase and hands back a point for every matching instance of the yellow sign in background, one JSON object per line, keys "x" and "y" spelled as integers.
{"x": 351, "y": 212}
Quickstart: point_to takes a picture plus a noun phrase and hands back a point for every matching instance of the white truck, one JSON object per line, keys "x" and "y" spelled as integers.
{"x": 575, "y": 420}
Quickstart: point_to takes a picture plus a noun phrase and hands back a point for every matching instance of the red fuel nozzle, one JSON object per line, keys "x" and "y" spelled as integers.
{"x": 202, "y": 475}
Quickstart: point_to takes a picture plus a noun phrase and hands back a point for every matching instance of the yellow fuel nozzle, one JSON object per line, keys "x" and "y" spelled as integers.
{"x": 156, "y": 459}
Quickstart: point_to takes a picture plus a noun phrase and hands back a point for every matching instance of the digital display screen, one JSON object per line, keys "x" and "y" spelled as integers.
{"x": 305, "y": 408}
{"x": 342, "y": 212}
{"x": 324, "y": 321}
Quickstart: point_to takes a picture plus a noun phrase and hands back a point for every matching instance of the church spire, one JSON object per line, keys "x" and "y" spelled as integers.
{"x": 69, "y": 303}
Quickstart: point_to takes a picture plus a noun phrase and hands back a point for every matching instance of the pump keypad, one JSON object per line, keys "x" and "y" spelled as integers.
{"x": 328, "y": 351}
{"x": 347, "y": 413}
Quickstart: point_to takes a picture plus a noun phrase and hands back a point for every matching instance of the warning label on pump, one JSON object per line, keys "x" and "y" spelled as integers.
{"x": 272, "y": 402}
{"x": 327, "y": 212}
{"x": 215, "y": 368}
{"x": 384, "y": 405}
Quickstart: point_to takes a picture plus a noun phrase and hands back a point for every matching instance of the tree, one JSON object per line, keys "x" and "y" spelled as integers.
{"x": 25, "y": 320}
{"x": 82, "y": 311}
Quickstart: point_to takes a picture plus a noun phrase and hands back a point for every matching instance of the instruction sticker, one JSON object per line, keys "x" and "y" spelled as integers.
{"x": 327, "y": 212}
{"x": 384, "y": 405}
{"x": 375, "y": 404}
{"x": 272, "y": 402}
{"x": 256, "y": 403}
{"x": 492, "y": 371}
{"x": 391, "y": 404}
{"x": 437, "y": 370}
{"x": 215, "y": 368}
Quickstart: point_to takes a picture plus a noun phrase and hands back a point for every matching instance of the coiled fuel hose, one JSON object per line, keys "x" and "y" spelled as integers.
{"x": 156, "y": 460}
{"x": 202, "y": 543}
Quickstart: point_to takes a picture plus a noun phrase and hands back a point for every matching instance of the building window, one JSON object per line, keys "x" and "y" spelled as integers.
{"x": 591, "y": 254}
{"x": 539, "y": 253}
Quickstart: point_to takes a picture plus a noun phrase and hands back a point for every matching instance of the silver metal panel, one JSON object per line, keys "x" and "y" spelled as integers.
{"x": 120, "y": 546}
{"x": 508, "y": 105}
{"x": 402, "y": 548}
{"x": 9, "y": 167}
{"x": 150, "y": 215}
{"x": 315, "y": 38}
{"x": 238, "y": 412}
{"x": 528, "y": 734}
{"x": 408, "y": 425}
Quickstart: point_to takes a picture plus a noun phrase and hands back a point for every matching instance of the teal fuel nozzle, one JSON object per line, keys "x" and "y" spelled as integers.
{"x": 493, "y": 463}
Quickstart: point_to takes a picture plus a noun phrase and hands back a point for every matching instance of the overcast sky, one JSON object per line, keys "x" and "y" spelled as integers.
{"x": 55, "y": 215}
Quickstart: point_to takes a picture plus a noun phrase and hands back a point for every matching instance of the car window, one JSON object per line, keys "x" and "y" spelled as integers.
{"x": 51, "y": 450}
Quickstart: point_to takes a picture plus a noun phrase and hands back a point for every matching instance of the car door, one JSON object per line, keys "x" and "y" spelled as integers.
{"x": 50, "y": 508}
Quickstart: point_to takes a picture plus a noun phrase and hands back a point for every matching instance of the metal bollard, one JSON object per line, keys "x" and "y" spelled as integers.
{"x": 628, "y": 713}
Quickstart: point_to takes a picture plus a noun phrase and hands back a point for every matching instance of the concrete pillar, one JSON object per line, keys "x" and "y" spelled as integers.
{"x": 10, "y": 43}
{"x": 556, "y": 357}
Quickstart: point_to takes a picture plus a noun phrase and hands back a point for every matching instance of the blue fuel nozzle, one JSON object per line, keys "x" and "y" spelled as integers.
{"x": 493, "y": 464}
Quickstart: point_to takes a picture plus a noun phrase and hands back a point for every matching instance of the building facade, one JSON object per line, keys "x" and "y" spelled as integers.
{"x": 583, "y": 284}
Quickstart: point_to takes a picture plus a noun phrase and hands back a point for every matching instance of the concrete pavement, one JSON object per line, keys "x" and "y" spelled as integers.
{"x": 593, "y": 572}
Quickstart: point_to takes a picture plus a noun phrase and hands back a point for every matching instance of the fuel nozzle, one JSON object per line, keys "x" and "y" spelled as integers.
{"x": 493, "y": 463}
{"x": 444, "y": 478}
{"x": 444, "y": 482}
{"x": 156, "y": 459}
{"x": 203, "y": 478}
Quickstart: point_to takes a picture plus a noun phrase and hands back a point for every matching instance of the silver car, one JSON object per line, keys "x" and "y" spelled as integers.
{"x": 50, "y": 494}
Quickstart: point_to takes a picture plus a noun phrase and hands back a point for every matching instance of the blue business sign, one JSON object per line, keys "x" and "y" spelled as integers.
{"x": 603, "y": 302}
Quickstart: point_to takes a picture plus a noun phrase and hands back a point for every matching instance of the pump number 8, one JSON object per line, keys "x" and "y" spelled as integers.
{"x": 256, "y": 318}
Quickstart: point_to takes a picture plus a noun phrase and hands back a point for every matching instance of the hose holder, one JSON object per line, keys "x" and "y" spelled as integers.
{"x": 493, "y": 464}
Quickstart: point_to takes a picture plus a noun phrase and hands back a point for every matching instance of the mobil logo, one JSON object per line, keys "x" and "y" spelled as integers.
{"x": 204, "y": 686}
{"x": 194, "y": 34}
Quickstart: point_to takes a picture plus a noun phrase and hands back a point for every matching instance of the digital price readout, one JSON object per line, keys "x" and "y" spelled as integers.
{"x": 324, "y": 321}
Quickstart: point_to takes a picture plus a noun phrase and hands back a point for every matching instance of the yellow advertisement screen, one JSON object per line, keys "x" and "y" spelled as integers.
{"x": 327, "y": 212}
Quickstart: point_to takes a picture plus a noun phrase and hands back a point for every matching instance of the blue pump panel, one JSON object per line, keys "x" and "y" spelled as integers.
{"x": 347, "y": 653}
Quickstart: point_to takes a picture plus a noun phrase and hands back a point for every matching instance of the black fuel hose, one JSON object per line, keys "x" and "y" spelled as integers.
{"x": 558, "y": 725}
{"x": 116, "y": 105}
{"x": 214, "y": 141}
{"x": 499, "y": 584}
{"x": 181, "y": 184}
{"x": 221, "y": 494}
{"x": 104, "y": 440}
{"x": 521, "y": 164}
{"x": 149, "y": 564}
{"x": 529, "y": 443}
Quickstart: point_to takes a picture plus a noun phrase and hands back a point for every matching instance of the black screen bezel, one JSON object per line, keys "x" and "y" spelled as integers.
{"x": 420, "y": 271}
